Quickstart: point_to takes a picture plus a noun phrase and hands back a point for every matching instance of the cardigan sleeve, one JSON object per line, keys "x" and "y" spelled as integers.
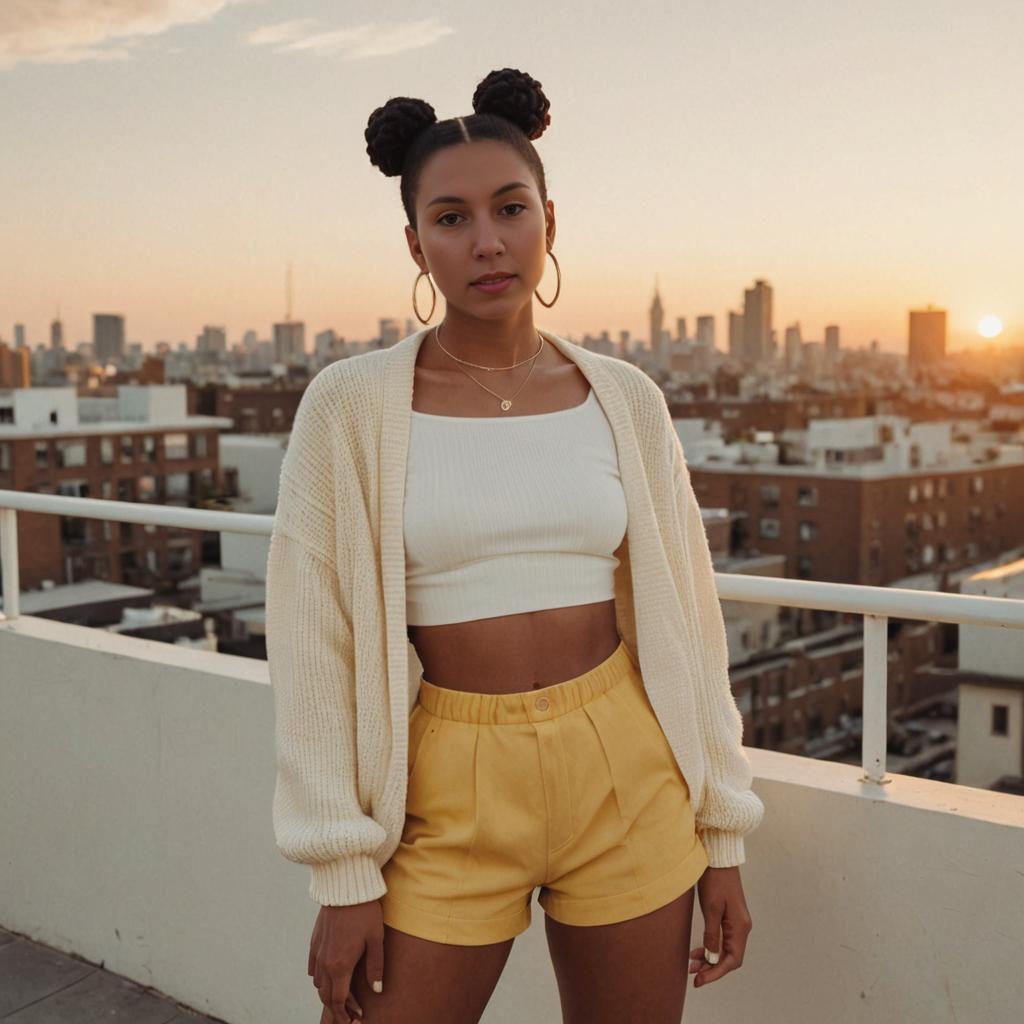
{"x": 317, "y": 815}
{"x": 730, "y": 808}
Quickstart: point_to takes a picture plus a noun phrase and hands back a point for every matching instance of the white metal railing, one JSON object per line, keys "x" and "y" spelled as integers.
{"x": 876, "y": 604}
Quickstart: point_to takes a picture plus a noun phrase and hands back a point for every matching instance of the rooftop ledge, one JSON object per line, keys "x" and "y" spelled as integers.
{"x": 137, "y": 834}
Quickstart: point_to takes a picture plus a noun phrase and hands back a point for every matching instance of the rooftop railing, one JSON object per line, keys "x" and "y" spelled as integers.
{"x": 876, "y": 604}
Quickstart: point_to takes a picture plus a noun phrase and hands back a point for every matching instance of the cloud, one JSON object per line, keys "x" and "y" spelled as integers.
{"x": 278, "y": 33}
{"x": 69, "y": 31}
{"x": 367, "y": 40}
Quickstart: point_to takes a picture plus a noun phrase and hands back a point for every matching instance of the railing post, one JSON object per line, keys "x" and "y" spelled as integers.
{"x": 876, "y": 702}
{"x": 9, "y": 557}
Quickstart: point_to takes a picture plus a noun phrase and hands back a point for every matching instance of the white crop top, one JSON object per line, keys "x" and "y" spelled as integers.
{"x": 507, "y": 514}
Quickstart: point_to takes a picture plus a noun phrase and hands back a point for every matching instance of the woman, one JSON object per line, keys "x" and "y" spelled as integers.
{"x": 519, "y": 509}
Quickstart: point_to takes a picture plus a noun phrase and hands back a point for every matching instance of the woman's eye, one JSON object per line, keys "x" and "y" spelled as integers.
{"x": 447, "y": 223}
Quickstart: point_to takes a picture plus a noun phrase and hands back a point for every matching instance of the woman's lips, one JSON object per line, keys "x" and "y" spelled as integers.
{"x": 495, "y": 286}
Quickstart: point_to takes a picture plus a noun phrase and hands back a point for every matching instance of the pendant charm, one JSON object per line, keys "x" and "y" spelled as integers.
{"x": 506, "y": 405}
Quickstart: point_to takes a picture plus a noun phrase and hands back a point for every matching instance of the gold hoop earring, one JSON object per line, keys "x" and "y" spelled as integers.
{"x": 558, "y": 289}
{"x": 433, "y": 297}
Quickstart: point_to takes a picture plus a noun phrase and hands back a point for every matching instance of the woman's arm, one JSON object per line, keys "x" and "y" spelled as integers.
{"x": 730, "y": 808}
{"x": 317, "y": 815}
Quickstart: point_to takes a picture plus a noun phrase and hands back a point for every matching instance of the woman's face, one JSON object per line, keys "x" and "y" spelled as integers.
{"x": 465, "y": 230}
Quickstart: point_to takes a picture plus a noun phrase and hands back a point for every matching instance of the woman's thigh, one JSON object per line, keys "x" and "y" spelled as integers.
{"x": 630, "y": 971}
{"x": 430, "y": 982}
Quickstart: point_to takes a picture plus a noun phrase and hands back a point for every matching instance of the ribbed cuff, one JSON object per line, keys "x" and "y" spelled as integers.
{"x": 340, "y": 883}
{"x": 724, "y": 849}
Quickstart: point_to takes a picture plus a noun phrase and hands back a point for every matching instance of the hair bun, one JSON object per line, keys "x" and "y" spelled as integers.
{"x": 517, "y": 97}
{"x": 392, "y": 128}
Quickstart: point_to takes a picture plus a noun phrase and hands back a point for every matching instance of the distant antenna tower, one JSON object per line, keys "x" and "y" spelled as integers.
{"x": 288, "y": 294}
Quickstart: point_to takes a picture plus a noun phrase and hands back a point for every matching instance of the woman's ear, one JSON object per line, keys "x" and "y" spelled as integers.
{"x": 549, "y": 218}
{"x": 413, "y": 241}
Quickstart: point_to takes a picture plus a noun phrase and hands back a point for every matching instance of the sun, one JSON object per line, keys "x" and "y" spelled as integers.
{"x": 990, "y": 326}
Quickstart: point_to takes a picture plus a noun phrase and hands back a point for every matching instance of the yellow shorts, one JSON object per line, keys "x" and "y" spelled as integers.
{"x": 572, "y": 787}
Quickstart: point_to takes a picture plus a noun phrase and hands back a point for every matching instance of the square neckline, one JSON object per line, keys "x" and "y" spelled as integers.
{"x": 506, "y": 419}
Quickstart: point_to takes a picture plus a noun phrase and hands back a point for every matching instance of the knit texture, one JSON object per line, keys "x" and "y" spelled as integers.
{"x": 345, "y": 677}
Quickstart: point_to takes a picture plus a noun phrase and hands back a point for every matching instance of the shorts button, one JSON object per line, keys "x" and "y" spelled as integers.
{"x": 542, "y": 703}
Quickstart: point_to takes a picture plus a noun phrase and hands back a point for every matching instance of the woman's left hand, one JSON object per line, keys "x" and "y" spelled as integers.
{"x": 725, "y": 911}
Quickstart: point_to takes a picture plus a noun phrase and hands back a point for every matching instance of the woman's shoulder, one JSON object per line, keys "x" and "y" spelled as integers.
{"x": 345, "y": 394}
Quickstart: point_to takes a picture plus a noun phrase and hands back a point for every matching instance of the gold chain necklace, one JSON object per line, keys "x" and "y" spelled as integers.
{"x": 506, "y": 403}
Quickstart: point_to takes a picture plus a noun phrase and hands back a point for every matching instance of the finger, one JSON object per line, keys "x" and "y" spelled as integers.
{"x": 708, "y": 974}
{"x": 353, "y": 1007}
{"x": 375, "y": 961}
{"x": 712, "y": 930}
{"x": 340, "y": 991}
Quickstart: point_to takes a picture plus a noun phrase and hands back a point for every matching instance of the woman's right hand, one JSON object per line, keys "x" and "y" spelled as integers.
{"x": 340, "y": 937}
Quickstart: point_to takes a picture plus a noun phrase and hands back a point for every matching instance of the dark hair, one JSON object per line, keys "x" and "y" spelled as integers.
{"x": 509, "y": 106}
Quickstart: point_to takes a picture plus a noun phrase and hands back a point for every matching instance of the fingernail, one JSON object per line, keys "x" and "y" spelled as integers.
{"x": 378, "y": 986}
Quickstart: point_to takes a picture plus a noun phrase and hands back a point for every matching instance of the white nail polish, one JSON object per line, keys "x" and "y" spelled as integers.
{"x": 711, "y": 957}
{"x": 378, "y": 986}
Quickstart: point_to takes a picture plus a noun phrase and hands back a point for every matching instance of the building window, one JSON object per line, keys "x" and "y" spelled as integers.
{"x": 106, "y": 451}
{"x": 73, "y": 488}
{"x": 149, "y": 448}
{"x": 926, "y": 521}
{"x": 975, "y": 485}
{"x": 942, "y": 487}
{"x": 176, "y": 446}
{"x": 769, "y": 528}
{"x": 178, "y": 486}
{"x": 146, "y": 488}
{"x": 127, "y": 448}
{"x": 926, "y": 489}
{"x": 5, "y": 458}
{"x": 199, "y": 446}
{"x": 42, "y": 455}
{"x": 770, "y": 495}
{"x": 912, "y": 493}
{"x": 808, "y": 530}
{"x": 928, "y": 554}
{"x": 805, "y": 567}
{"x": 1000, "y": 720}
{"x": 71, "y": 453}
{"x": 807, "y": 495}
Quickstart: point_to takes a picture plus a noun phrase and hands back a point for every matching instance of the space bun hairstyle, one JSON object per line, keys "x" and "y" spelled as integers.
{"x": 508, "y": 105}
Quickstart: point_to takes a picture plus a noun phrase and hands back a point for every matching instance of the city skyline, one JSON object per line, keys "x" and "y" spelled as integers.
{"x": 873, "y": 175}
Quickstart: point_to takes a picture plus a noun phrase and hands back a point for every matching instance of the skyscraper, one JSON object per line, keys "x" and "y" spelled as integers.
{"x": 757, "y": 322}
{"x": 793, "y": 346}
{"x": 735, "y": 335}
{"x": 107, "y": 337}
{"x": 832, "y": 342}
{"x": 657, "y": 318}
{"x": 706, "y": 331}
{"x": 926, "y": 342}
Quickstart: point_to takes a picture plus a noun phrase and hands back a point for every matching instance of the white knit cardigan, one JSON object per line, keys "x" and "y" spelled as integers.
{"x": 343, "y": 671}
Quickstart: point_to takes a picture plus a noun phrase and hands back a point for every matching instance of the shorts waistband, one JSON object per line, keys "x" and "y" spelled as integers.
{"x": 538, "y": 705}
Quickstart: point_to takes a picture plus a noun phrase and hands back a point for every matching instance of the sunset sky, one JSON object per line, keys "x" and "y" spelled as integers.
{"x": 165, "y": 159}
